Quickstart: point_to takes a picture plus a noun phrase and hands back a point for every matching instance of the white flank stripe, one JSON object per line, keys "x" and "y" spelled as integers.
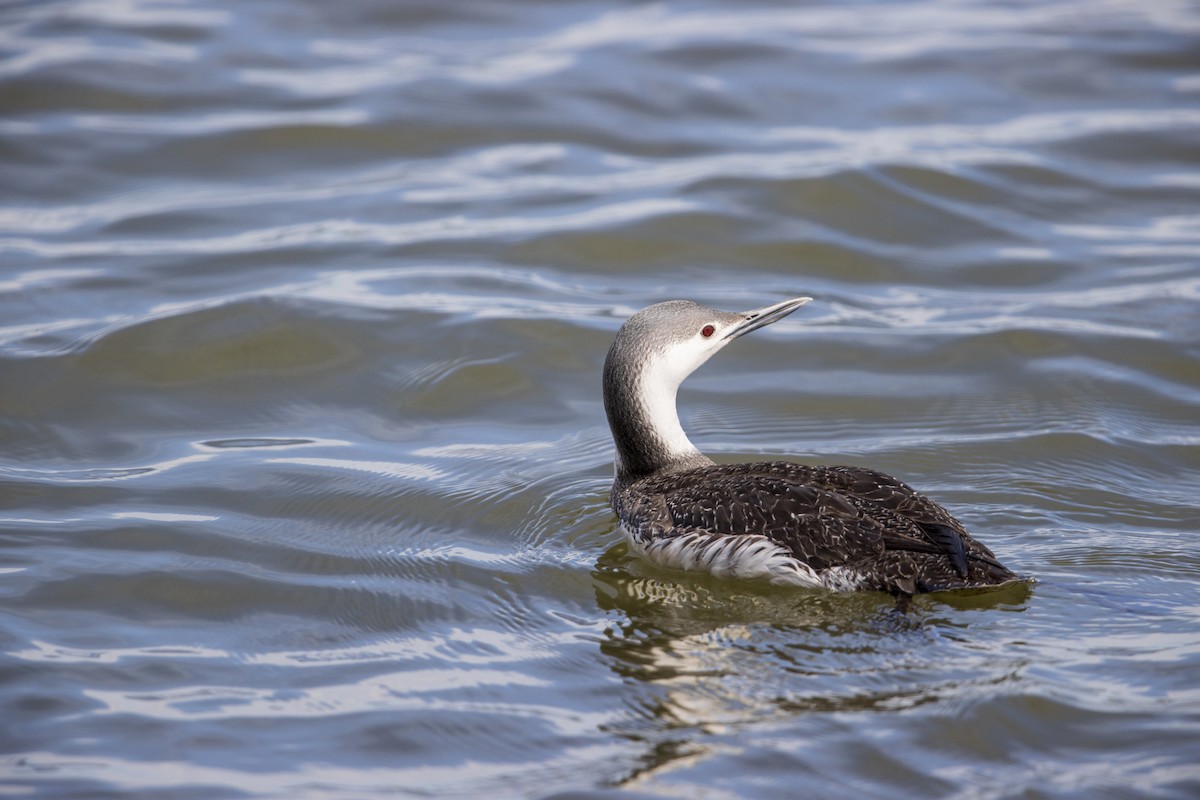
{"x": 746, "y": 556}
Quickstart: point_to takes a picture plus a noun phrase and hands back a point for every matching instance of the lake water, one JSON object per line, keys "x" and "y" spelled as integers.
{"x": 303, "y": 464}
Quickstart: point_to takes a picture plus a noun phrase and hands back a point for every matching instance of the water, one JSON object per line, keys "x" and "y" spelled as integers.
{"x": 303, "y": 465}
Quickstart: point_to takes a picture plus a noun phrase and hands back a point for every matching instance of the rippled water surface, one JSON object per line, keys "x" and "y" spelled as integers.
{"x": 303, "y": 465}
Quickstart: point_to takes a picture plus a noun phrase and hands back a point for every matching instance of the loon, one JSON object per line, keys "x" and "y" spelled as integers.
{"x": 838, "y": 527}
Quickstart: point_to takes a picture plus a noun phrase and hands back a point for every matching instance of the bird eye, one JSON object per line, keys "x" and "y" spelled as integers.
{"x": 707, "y": 331}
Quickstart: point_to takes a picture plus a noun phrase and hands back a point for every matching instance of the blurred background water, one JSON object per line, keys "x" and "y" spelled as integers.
{"x": 303, "y": 466}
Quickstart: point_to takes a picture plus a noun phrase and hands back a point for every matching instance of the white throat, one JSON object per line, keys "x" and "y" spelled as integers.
{"x": 658, "y": 399}
{"x": 657, "y": 392}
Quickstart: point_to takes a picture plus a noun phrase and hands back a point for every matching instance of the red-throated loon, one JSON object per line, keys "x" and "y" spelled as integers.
{"x": 842, "y": 528}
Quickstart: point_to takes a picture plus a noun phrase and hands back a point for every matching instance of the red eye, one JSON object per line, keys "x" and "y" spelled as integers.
{"x": 707, "y": 331}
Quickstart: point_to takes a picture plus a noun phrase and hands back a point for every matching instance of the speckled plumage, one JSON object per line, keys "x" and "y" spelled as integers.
{"x": 838, "y": 527}
{"x": 852, "y": 528}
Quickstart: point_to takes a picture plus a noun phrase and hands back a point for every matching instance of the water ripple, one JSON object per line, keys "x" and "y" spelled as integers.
{"x": 330, "y": 232}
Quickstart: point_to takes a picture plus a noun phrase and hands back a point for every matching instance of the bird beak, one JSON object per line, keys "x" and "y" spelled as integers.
{"x": 759, "y": 317}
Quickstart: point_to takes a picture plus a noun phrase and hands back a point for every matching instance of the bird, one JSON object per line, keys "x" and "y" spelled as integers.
{"x": 842, "y": 528}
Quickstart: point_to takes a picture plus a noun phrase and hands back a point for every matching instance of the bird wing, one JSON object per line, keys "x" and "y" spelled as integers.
{"x": 912, "y": 522}
{"x": 827, "y": 516}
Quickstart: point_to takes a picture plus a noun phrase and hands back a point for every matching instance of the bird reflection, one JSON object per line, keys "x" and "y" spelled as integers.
{"x": 702, "y": 655}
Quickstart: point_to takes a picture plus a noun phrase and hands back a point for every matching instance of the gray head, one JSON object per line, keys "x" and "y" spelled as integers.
{"x": 654, "y": 351}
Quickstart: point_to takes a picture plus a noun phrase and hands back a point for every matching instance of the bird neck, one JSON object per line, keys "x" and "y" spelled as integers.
{"x": 640, "y": 404}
